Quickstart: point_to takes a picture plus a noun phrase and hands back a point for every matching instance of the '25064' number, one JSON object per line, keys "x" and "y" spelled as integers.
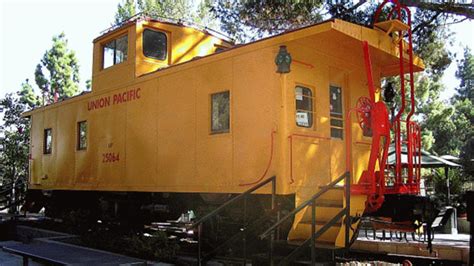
{"x": 110, "y": 157}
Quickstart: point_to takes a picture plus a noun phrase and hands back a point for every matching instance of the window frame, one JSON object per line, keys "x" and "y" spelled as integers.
{"x": 47, "y": 151}
{"x": 211, "y": 105}
{"x": 336, "y": 116}
{"x": 104, "y": 46}
{"x": 166, "y": 40}
{"x": 313, "y": 109}
{"x": 78, "y": 138}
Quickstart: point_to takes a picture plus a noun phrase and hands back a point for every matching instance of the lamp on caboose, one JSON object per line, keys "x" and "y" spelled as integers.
{"x": 283, "y": 60}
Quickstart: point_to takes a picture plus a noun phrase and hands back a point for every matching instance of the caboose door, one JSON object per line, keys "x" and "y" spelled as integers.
{"x": 307, "y": 138}
{"x": 336, "y": 128}
{"x": 337, "y": 108}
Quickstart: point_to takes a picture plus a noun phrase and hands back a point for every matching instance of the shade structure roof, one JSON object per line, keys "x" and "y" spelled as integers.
{"x": 427, "y": 160}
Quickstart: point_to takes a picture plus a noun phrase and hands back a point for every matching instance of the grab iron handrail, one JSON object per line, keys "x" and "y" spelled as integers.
{"x": 315, "y": 234}
{"x": 10, "y": 194}
{"x": 242, "y": 195}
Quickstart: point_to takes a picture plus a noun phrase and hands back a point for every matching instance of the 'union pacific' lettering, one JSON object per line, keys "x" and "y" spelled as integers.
{"x": 126, "y": 96}
{"x": 118, "y": 98}
{"x": 98, "y": 103}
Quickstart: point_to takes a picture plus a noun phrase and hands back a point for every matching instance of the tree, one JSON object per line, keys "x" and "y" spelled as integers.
{"x": 14, "y": 143}
{"x": 448, "y": 7}
{"x": 465, "y": 74}
{"x": 61, "y": 81}
{"x": 28, "y": 96}
{"x": 177, "y": 9}
{"x": 464, "y": 103}
{"x": 251, "y": 20}
{"x": 62, "y": 77}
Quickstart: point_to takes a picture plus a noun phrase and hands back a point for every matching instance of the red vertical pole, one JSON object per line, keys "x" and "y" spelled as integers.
{"x": 375, "y": 144}
{"x": 398, "y": 140}
{"x": 368, "y": 70}
{"x": 410, "y": 140}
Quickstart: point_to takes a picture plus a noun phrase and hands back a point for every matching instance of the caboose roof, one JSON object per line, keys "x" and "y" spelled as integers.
{"x": 384, "y": 53}
{"x": 175, "y": 22}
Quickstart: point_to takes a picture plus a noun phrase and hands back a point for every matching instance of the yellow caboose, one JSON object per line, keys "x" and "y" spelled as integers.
{"x": 178, "y": 111}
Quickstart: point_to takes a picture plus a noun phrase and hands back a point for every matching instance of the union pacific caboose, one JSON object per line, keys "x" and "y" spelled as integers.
{"x": 178, "y": 113}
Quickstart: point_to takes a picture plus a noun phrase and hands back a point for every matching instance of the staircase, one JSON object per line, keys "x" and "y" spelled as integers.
{"x": 324, "y": 220}
{"x": 242, "y": 243}
{"x": 12, "y": 194}
{"x": 324, "y": 223}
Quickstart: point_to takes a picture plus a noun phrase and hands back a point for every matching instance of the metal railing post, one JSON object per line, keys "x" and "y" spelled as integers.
{"x": 273, "y": 193}
{"x": 271, "y": 248}
{"x": 199, "y": 244}
{"x": 348, "y": 208}
{"x": 313, "y": 232}
{"x": 245, "y": 229}
{"x": 272, "y": 236}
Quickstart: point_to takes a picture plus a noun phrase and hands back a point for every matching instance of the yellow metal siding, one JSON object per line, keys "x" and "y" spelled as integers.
{"x": 141, "y": 136}
{"x": 255, "y": 100}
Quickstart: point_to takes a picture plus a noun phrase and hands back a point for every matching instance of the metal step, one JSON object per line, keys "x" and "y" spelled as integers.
{"x": 329, "y": 203}
{"x": 334, "y": 187}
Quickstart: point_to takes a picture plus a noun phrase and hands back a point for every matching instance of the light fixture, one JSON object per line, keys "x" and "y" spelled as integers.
{"x": 283, "y": 60}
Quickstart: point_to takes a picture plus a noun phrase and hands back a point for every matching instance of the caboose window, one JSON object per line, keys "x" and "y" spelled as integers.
{"x": 115, "y": 51}
{"x": 82, "y": 135}
{"x": 336, "y": 112}
{"x": 48, "y": 141}
{"x": 154, "y": 44}
{"x": 220, "y": 112}
{"x": 304, "y": 107}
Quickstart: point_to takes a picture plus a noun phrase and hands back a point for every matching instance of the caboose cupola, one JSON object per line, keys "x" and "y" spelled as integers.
{"x": 143, "y": 45}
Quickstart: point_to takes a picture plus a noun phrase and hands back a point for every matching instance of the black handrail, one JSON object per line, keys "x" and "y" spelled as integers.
{"x": 315, "y": 234}
{"x": 213, "y": 213}
{"x": 303, "y": 205}
{"x": 9, "y": 199}
{"x": 237, "y": 236}
{"x": 8, "y": 187}
{"x": 236, "y": 198}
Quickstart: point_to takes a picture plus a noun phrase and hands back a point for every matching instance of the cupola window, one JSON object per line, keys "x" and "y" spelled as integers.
{"x": 155, "y": 44}
{"x": 115, "y": 51}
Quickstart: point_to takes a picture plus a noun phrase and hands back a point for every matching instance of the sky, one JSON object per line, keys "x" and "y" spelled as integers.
{"x": 27, "y": 28}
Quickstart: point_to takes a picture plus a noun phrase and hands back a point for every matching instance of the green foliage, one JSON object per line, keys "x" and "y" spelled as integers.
{"x": 62, "y": 77}
{"x": 178, "y": 9}
{"x": 440, "y": 185}
{"x": 62, "y": 71}
{"x": 465, "y": 74}
{"x": 451, "y": 124}
{"x": 156, "y": 246}
{"x": 15, "y": 140}
{"x": 27, "y": 95}
{"x": 251, "y": 20}
{"x": 464, "y": 104}
{"x": 125, "y": 10}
